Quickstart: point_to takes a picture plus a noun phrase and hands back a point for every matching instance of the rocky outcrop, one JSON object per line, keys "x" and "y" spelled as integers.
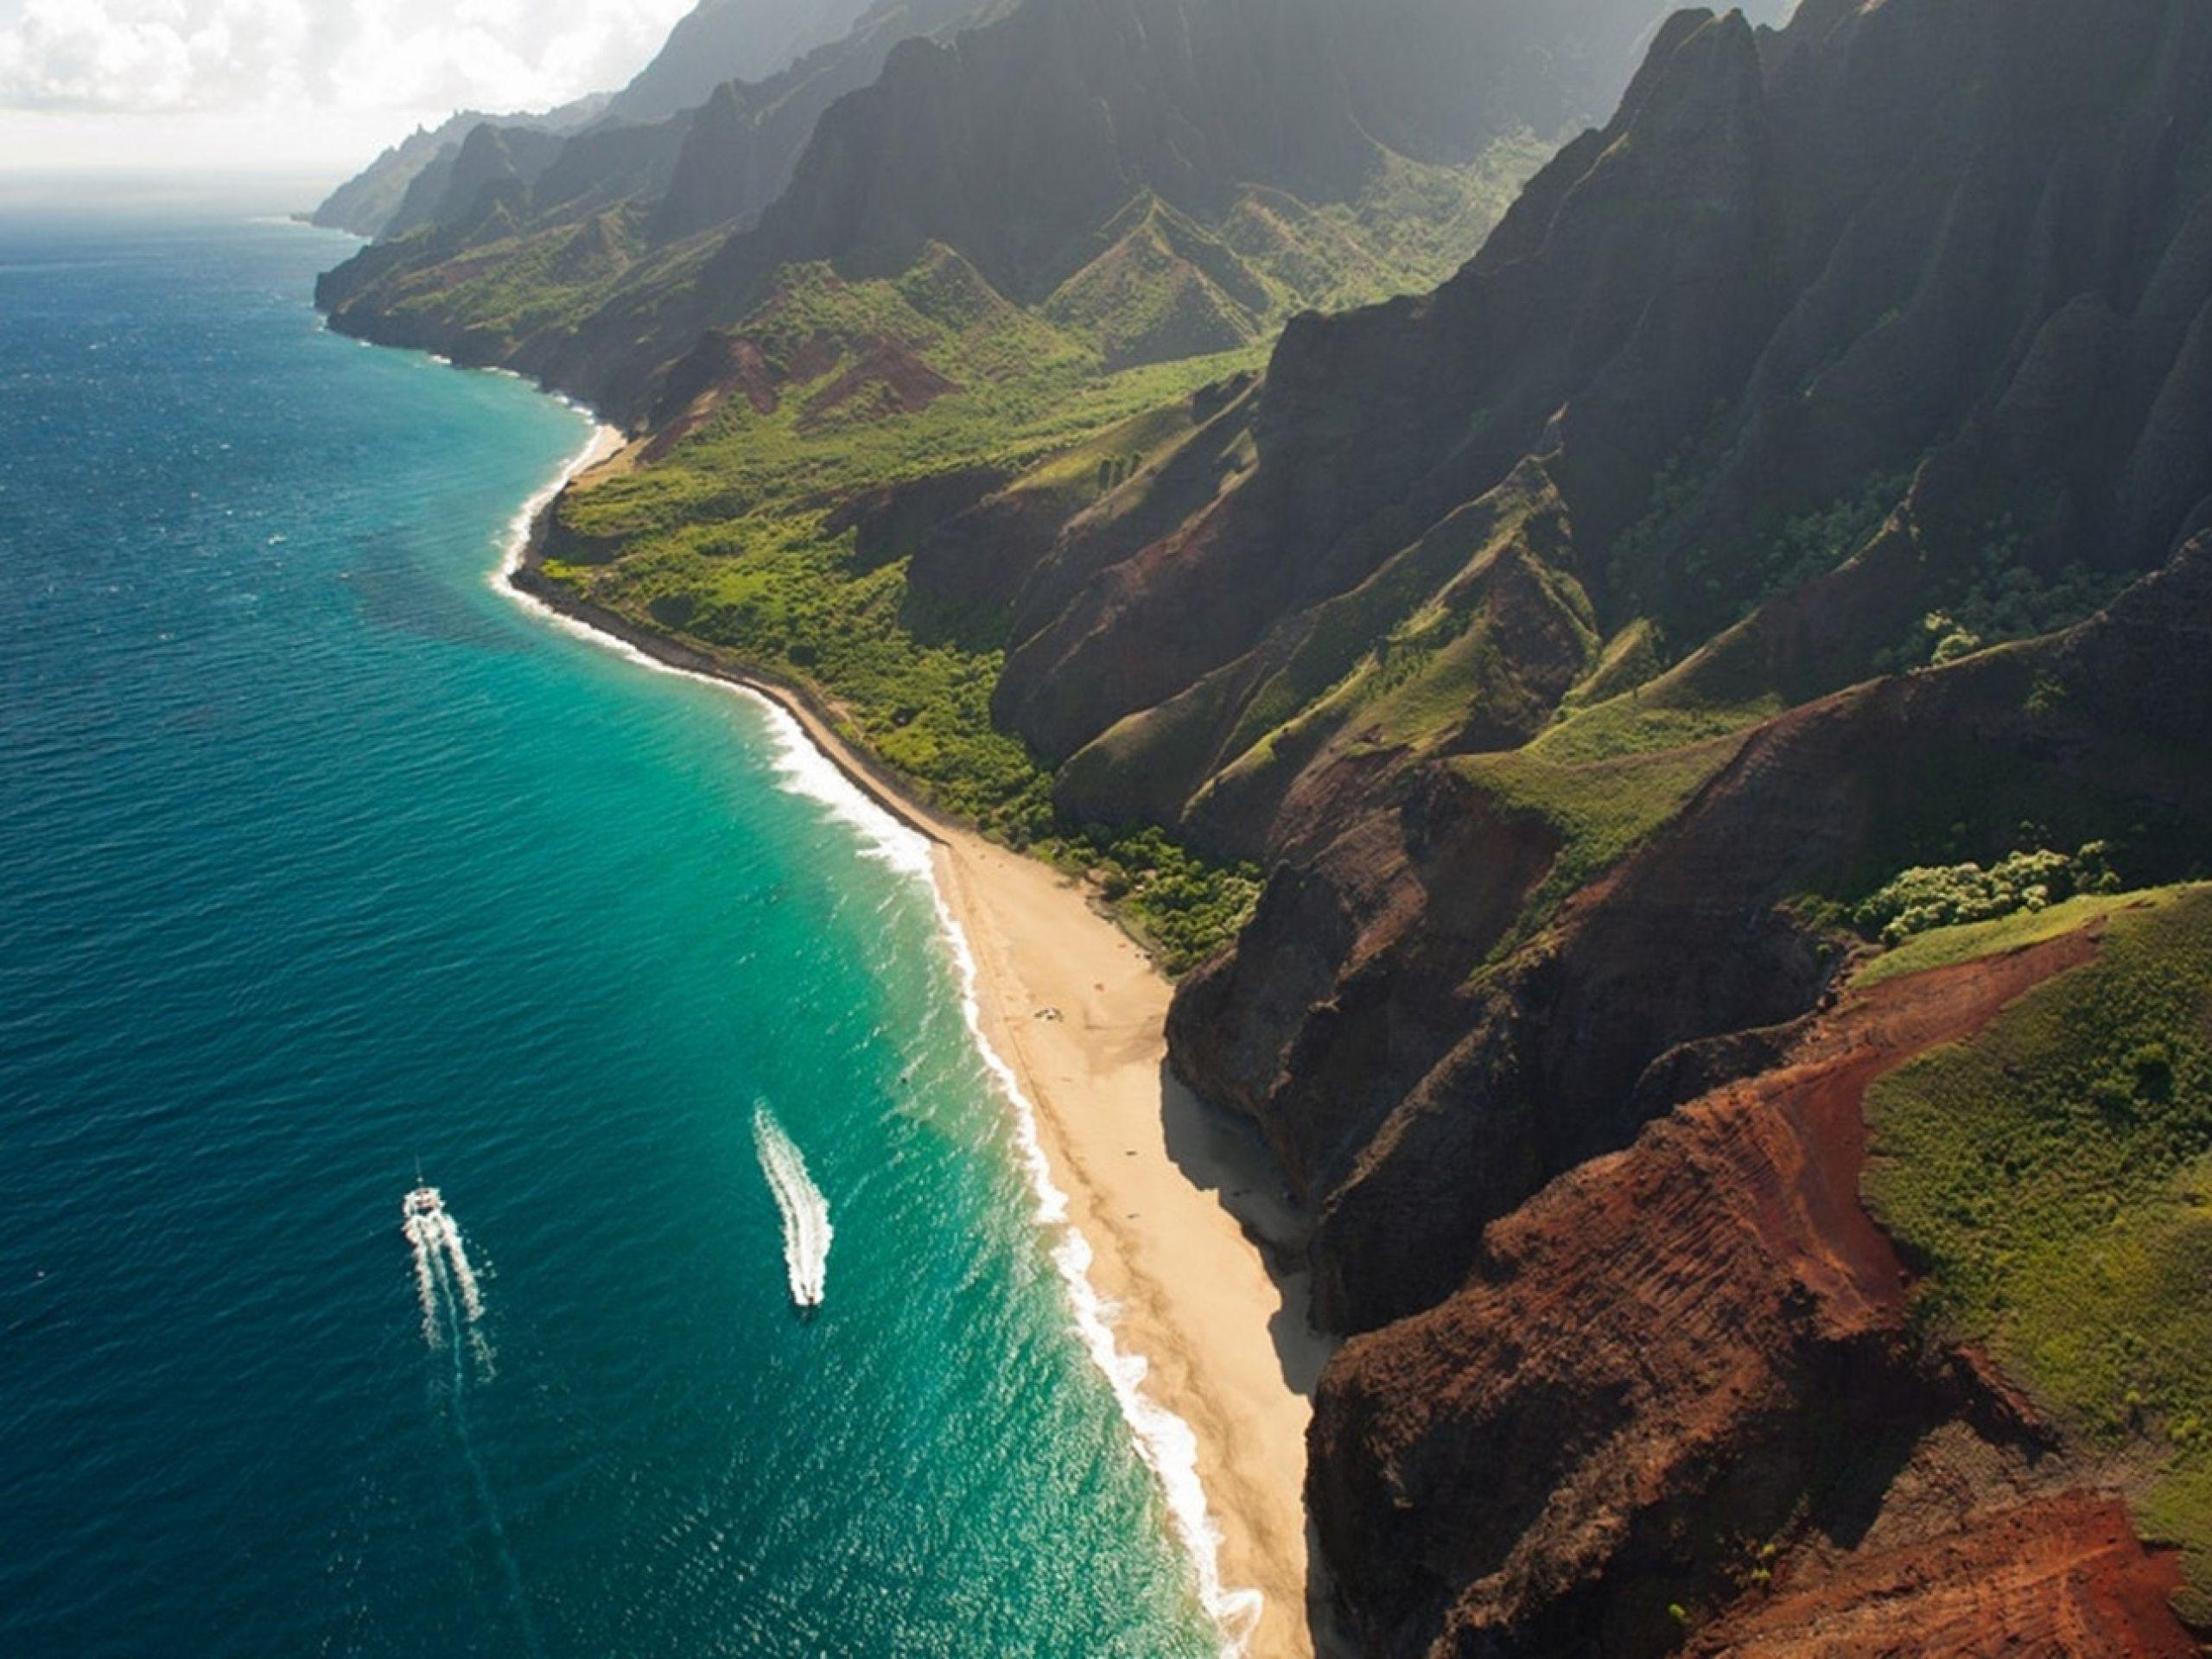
{"x": 365, "y": 204}
{"x": 1687, "y": 1371}
{"x": 1419, "y": 1081}
{"x": 494, "y": 164}
{"x": 1422, "y": 1077}
{"x": 370, "y": 203}
{"x": 1012, "y": 141}
{"x": 694, "y": 176}
{"x": 721, "y": 41}
{"x": 1376, "y": 426}
{"x": 717, "y": 43}
{"x": 2063, "y": 1575}
{"x": 748, "y": 135}
{"x": 1562, "y": 640}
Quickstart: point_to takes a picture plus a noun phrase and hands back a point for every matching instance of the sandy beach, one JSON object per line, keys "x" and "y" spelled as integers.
{"x": 1191, "y": 1237}
{"x": 1173, "y": 1200}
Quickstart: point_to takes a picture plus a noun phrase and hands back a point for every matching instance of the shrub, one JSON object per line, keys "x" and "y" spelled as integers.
{"x": 1186, "y": 907}
{"x": 1933, "y": 896}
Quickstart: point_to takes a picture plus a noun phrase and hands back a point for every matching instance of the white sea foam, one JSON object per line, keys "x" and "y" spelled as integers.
{"x": 804, "y": 770}
{"x": 464, "y": 1276}
{"x": 604, "y": 442}
{"x": 805, "y": 1212}
{"x": 421, "y": 1240}
{"x": 1164, "y": 1441}
{"x": 446, "y": 1283}
{"x": 801, "y": 766}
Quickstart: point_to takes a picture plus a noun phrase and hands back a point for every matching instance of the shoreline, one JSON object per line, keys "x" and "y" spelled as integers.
{"x": 1167, "y": 1214}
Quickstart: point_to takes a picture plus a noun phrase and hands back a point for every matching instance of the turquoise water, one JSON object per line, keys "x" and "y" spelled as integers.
{"x": 324, "y": 858}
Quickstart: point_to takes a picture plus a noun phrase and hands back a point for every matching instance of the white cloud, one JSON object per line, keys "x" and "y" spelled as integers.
{"x": 317, "y": 60}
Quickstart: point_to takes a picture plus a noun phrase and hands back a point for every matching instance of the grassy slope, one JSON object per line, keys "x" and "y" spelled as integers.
{"x": 514, "y": 284}
{"x": 1601, "y": 810}
{"x": 726, "y": 542}
{"x": 1947, "y": 946}
{"x": 726, "y": 539}
{"x": 2055, "y": 1176}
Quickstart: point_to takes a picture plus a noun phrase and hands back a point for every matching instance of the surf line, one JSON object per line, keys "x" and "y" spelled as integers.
{"x": 1164, "y": 1442}
{"x": 799, "y": 1202}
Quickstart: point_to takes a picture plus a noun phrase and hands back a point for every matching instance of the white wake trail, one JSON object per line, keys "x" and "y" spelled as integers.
{"x": 1166, "y": 1443}
{"x": 807, "y": 1232}
{"x": 453, "y": 1305}
{"x": 426, "y": 1278}
{"x": 464, "y": 1276}
{"x": 445, "y": 1280}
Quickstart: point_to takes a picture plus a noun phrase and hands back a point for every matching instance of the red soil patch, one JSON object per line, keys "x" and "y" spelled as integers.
{"x": 724, "y": 366}
{"x": 2063, "y": 1575}
{"x": 903, "y": 384}
{"x": 1806, "y": 1165}
{"x": 1664, "y": 1349}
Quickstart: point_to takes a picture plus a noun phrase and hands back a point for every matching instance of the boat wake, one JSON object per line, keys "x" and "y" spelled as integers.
{"x": 1166, "y": 1443}
{"x": 445, "y": 1281}
{"x": 452, "y": 1316}
{"x": 805, "y": 1212}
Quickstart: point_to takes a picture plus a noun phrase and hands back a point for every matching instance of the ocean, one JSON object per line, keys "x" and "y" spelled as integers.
{"x": 330, "y": 869}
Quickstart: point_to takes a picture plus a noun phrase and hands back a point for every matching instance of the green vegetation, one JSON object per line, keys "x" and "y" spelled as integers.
{"x": 1675, "y": 488}
{"x": 1380, "y": 652}
{"x": 1600, "y": 810}
{"x": 798, "y": 612}
{"x": 1157, "y": 284}
{"x": 1933, "y": 896}
{"x": 2002, "y": 597}
{"x": 871, "y": 383}
{"x": 1813, "y": 543}
{"x": 513, "y": 283}
{"x": 1647, "y": 720}
{"x": 737, "y": 532}
{"x": 732, "y": 537}
{"x": 1946, "y": 947}
{"x": 728, "y": 542}
{"x": 2055, "y": 1176}
{"x": 1426, "y": 220}
{"x": 1183, "y": 906}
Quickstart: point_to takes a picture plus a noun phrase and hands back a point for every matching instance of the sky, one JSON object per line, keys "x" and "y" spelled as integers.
{"x": 305, "y": 88}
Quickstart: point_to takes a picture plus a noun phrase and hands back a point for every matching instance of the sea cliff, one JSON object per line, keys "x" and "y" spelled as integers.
{"x": 1530, "y": 706}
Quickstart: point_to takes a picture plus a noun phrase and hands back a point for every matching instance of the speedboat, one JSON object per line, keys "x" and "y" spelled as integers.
{"x": 423, "y": 1203}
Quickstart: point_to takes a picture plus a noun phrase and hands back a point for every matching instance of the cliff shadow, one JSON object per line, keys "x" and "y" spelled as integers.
{"x": 1223, "y": 1155}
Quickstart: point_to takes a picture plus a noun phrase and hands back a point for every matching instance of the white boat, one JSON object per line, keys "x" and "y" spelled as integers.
{"x": 422, "y": 1203}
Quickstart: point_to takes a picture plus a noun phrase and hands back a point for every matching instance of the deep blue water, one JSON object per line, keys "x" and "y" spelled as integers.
{"x": 322, "y": 858}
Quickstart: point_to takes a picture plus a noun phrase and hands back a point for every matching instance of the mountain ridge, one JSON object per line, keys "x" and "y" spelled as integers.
{"x": 721, "y": 41}
{"x": 763, "y": 46}
{"x": 1011, "y": 140}
{"x": 1525, "y": 710}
